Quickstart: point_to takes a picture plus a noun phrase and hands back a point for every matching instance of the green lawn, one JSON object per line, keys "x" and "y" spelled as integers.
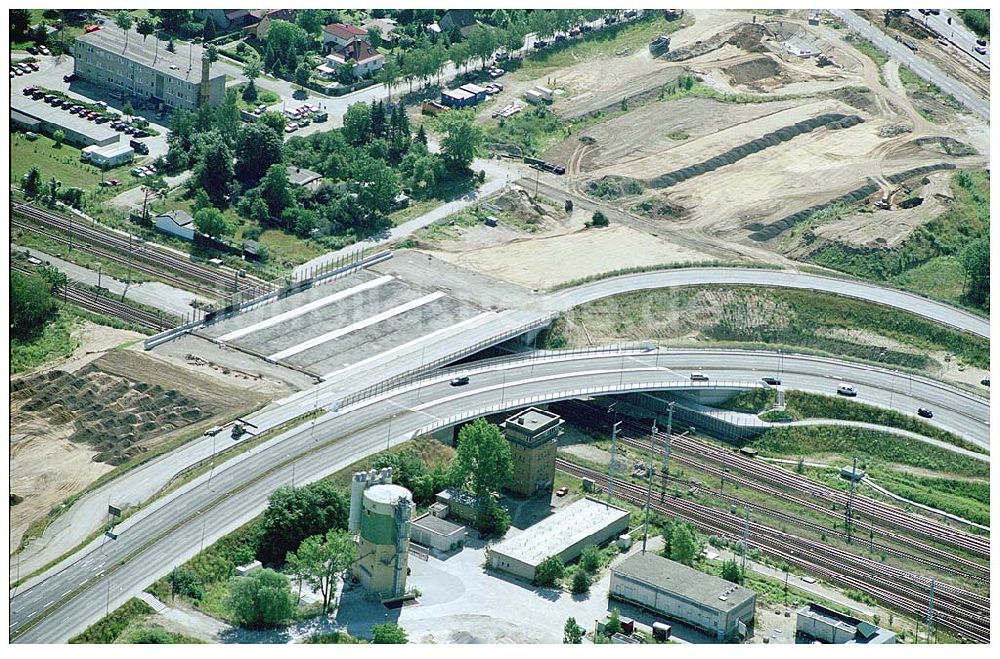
{"x": 600, "y": 43}
{"x": 63, "y": 163}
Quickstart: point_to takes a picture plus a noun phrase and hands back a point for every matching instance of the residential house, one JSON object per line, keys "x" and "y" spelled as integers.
{"x": 226, "y": 19}
{"x": 463, "y": 19}
{"x": 385, "y": 26}
{"x": 366, "y": 59}
{"x": 337, "y": 36}
{"x": 264, "y": 18}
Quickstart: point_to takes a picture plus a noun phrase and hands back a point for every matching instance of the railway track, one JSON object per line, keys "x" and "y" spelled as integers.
{"x": 957, "y": 611}
{"x": 146, "y": 258}
{"x": 108, "y": 306}
{"x": 885, "y": 515}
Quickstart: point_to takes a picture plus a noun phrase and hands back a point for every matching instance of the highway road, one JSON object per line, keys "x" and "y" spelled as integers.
{"x": 914, "y": 62}
{"x": 955, "y": 32}
{"x": 174, "y": 528}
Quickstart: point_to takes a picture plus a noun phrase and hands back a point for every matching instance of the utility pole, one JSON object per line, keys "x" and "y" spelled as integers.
{"x": 930, "y": 612}
{"x": 746, "y": 539}
{"x": 666, "y": 451}
{"x": 614, "y": 451}
{"x": 850, "y": 499}
{"x": 649, "y": 486}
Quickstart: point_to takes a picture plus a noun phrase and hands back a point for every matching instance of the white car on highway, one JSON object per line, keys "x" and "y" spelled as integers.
{"x": 845, "y": 389}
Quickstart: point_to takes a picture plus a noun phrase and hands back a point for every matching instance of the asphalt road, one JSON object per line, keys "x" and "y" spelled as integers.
{"x": 955, "y": 32}
{"x": 914, "y": 62}
{"x": 172, "y": 529}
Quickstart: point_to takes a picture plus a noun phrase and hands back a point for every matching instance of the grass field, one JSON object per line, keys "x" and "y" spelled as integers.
{"x": 600, "y": 43}
{"x": 62, "y": 163}
{"x": 55, "y": 342}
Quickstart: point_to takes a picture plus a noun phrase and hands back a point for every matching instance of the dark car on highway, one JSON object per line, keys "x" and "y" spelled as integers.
{"x": 458, "y": 382}
{"x": 926, "y": 413}
{"x": 774, "y": 382}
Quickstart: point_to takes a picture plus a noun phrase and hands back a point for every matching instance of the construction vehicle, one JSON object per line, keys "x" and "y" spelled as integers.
{"x": 659, "y": 45}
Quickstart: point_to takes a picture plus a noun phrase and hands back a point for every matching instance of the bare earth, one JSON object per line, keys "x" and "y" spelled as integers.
{"x": 545, "y": 262}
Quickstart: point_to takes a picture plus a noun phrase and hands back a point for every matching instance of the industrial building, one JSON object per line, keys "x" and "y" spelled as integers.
{"x": 817, "y": 622}
{"x": 380, "y": 514}
{"x": 461, "y": 504}
{"x": 435, "y": 532}
{"x": 143, "y": 67}
{"x": 176, "y": 223}
{"x": 565, "y": 534}
{"x": 40, "y": 117}
{"x": 533, "y": 435}
{"x": 676, "y": 591}
{"x": 108, "y": 156}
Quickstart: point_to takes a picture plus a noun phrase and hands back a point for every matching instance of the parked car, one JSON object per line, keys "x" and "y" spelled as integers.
{"x": 69, "y": 77}
{"x": 845, "y": 389}
{"x": 774, "y": 382}
{"x": 926, "y": 413}
{"x": 38, "y": 94}
{"x": 458, "y": 382}
{"x": 981, "y": 42}
{"x": 140, "y": 147}
{"x": 496, "y": 73}
{"x": 141, "y": 133}
{"x": 110, "y": 183}
{"x": 43, "y": 50}
{"x": 56, "y": 102}
{"x": 985, "y": 381}
{"x": 562, "y": 491}
{"x": 28, "y": 91}
{"x": 291, "y": 127}
{"x": 574, "y": 31}
{"x": 32, "y": 50}
{"x": 560, "y": 37}
{"x": 981, "y": 50}
{"x": 32, "y": 66}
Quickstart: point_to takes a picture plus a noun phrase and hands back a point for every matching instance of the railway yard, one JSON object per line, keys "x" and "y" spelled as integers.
{"x": 749, "y": 297}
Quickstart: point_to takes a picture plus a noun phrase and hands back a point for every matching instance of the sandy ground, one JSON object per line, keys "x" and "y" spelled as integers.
{"x": 545, "y": 262}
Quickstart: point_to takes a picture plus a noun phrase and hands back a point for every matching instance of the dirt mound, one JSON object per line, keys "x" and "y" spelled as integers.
{"x": 946, "y": 145}
{"x": 857, "y": 97}
{"x": 656, "y": 208}
{"x": 519, "y": 204}
{"x": 753, "y": 71}
{"x": 892, "y": 130}
{"x": 108, "y": 412}
{"x": 748, "y": 36}
{"x": 614, "y": 187}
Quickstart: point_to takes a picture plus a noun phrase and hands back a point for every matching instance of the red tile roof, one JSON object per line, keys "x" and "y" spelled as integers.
{"x": 345, "y": 32}
{"x": 359, "y": 51}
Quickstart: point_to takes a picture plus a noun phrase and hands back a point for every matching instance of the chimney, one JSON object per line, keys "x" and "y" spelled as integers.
{"x": 206, "y": 67}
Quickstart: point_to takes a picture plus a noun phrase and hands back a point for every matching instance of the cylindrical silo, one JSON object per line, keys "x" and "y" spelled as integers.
{"x": 358, "y": 485}
{"x": 384, "y": 540}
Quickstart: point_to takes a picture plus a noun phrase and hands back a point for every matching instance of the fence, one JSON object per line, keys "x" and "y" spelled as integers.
{"x": 236, "y": 303}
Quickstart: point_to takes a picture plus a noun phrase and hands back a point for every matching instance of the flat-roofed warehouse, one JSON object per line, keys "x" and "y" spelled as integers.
{"x": 565, "y": 534}
{"x": 145, "y": 68}
{"x": 42, "y": 117}
{"x": 684, "y": 594}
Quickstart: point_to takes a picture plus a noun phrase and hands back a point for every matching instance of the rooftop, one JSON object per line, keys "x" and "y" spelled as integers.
{"x": 459, "y": 496}
{"x": 864, "y": 632}
{"x": 473, "y": 89}
{"x": 533, "y": 420}
{"x": 344, "y": 31}
{"x": 184, "y": 63}
{"x": 180, "y": 218}
{"x": 557, "y": 532}
{"x": 679, "y": 579}
{"x": 437, "y": 525}
{"x": 39, "y": 110}
{"x": 302, "y": 176}
{"x": 388, "y": 493}
{"x": 460, "y": 94}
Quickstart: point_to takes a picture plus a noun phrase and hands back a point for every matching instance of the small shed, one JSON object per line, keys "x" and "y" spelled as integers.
{"x": 457, "y": 98}
{"x": 109, "y": 156}
{"x": 436, "y": 533}
{"x": 475, "y": 90}
{"x": 176, "y": 223}
{"x": 461, "y": 504}
{"x": 244, "y": 570}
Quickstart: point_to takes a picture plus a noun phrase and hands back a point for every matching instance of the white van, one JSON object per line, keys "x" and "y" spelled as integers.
{"x": 698, "y": 376}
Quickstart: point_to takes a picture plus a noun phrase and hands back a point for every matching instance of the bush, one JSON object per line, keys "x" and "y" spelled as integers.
{"x": 599, "y": 219}
{"x": 549, "y": 571}
{"x": 108, "y": 628}
{"x": 186, "y": 584}
{"x": 591, "y": 559}
{"x": 389, "y": 634}
{"x": 262, "y": 599}
{"x": 581, "y": 582}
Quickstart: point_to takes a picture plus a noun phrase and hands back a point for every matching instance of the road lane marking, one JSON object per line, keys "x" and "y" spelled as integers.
{"x": 367, "y": 322}
{"x": 304, "y": 309}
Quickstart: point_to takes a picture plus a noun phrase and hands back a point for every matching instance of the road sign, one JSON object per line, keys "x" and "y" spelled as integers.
{"x": 112, "y": 535}
{"x": 114, "y": 511}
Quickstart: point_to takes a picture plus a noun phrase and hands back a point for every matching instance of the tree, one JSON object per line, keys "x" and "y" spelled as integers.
{"x": 258, "y": 147}
{"x": 482, "y": 43}
{"x": 310, "y": 20}
{"x": 581, "y": 582}
{"x": 549, "y": 571}
{"x": 20, "y": 23}
{"x": 275, "y": 190}
{"x": 214, "y": 171}
{"x": 320, "y": 560}
{"x": 285, "y": 41}
{"x": 421, "y": 135}
{"x": 731, "y": 571}
{"x": 208, "y": 32}
{"x": 186, "y": 584}
{"x": 127, "y": 109}
{"x": 31, "y": 304}
{"x": 156, "y": 188}
{"x": 376, "y": 186}
{"x": 975, "y": 260}
{"x": 482, "y": 461}
{"x": 614, "y": 625}
{"x": 683, "y": 544}
{"x": 57, "y": 138}
{"x": 227, "y": 116}
{"x": 591, "y": 559}
{"x": 295, "y": 513}
{"x": 463, "y": 138}
{"x": 124, "y": 20}
{"x": 213, "y": 52}
{"x": 389, "y": 634}
{"x": 357, "y": 124}
{"x": 261, "y": 599}
{"x": 171, "y": 48}
{"x": 302, "y": 73}
{"x": 375, "y": 37}
{"x": 572, "y": 632}
{"x": 599, "y": 219}
{"x": 32, "y": 184}
{"x": 389, "y": 75}
{"x": 146, "y": 26}
{"x": 273, "y": 120}
{"x": 345, "y": 72}
{"x": 211, "y": 222}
